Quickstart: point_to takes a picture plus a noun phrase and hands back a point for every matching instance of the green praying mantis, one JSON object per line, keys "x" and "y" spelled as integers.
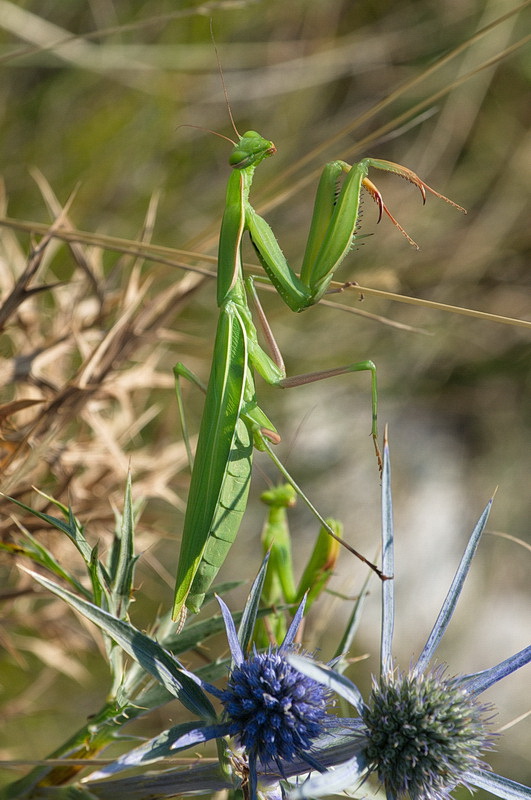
{"x": 232, "y": 422}
{"x": 279, "y": 583}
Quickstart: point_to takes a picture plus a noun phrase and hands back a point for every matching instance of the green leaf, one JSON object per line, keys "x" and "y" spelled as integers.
{"x": 123, "y": 559}
{"x": 157, "y": 748}
{"x": 39, "y": 554}
{"x": 74, "y": 531}
{"x": 145, "y": 651}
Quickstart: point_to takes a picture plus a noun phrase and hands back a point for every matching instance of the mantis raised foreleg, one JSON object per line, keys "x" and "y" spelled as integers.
{"x": 232, "y": 423}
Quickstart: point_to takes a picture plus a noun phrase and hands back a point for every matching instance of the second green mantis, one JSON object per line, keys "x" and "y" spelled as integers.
{"x": 232, "y": 422}
{"x": 279, "y": 582}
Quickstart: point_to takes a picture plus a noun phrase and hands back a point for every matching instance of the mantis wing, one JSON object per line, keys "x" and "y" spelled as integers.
{"x": 228, "y": 514}
{"x": 223, "y": 456}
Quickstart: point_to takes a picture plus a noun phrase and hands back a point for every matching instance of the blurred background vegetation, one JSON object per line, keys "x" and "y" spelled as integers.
{"x": 93, "y": 98}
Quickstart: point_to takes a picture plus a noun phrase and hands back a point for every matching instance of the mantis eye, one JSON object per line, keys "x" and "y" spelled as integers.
{"x": 240, "y": 158}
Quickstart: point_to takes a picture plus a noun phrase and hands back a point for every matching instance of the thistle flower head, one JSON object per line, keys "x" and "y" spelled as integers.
{"x": 275, "y": 712}
{"x": 424, "y": 733}
{"x": 272, "y": 712}
{"x": 273, "y": 721}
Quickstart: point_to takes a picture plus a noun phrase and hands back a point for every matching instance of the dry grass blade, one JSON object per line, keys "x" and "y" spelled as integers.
{"x": 402, "y": 89}
{"x": 89, "y": 392}
{"x": 21, "y": 291}
{"x": 56, "y": 210}
{"x": 419, "y": 301}
{"x": 153, "y": 253}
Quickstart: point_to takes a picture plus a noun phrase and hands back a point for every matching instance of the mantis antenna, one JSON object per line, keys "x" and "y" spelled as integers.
{"x": 207, "y": 130}
{"x": 223, "y": 84}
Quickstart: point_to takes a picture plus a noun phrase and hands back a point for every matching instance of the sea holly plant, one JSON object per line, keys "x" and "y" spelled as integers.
{"x": 422, "y": 732}
{"x": 132, "y": 691}
{"x": 146, "y": 674}
{"x": 273, "y": 724}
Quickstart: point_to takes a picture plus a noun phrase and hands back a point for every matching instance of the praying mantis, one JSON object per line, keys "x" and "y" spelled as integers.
{"x": 279, "y": 583}
{"x": 232, "y": 422}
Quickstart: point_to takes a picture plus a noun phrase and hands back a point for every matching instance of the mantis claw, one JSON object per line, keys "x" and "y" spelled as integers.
{"x": 408, "y": 175}
{"x": 344, "y": 286}
{"x": 412, "y": 177}
{"x": 378, "y": 199}
{"x": 376, "y": 196}
{"x": 379, "y": 457}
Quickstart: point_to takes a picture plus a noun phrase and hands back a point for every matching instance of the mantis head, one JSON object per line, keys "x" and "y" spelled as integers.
{"x": 250, "y": 150}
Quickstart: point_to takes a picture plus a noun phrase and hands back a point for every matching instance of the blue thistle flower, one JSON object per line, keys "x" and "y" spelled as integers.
{"x": 421, "y": 732}
{"x": 274, "y": 711}
{"x": 273, "y": 723}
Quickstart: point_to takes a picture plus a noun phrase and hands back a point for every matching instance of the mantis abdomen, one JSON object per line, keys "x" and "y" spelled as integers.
{"x": 228, "y": 515}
